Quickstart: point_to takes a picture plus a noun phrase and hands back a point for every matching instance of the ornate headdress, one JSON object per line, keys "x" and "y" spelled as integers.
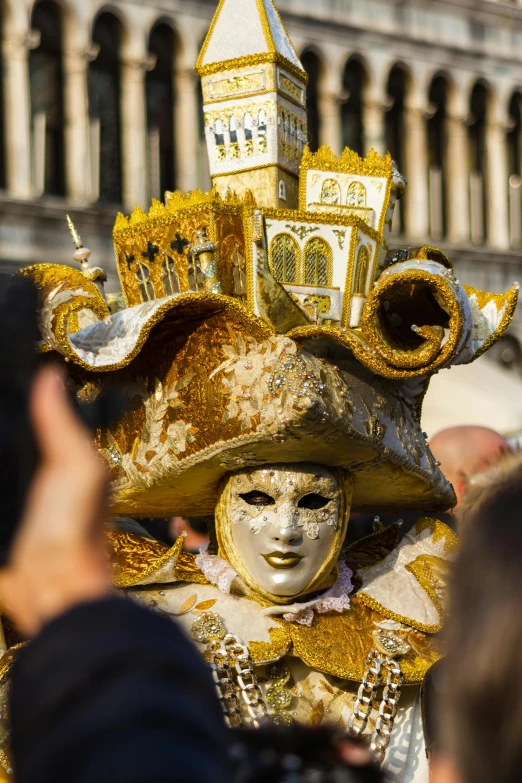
{"x": 266, "y": 321}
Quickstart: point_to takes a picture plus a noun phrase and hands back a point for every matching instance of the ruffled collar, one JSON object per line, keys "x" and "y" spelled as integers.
{"x": 335, "y": 599}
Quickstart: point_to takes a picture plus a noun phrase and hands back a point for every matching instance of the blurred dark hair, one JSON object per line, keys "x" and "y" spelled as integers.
{"x": 481, "y": 708}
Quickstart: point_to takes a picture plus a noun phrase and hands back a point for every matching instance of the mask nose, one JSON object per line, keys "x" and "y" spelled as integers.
{"x": 286, "y": 535}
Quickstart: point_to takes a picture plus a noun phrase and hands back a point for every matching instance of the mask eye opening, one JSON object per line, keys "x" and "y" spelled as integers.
{"x": 313, "y": 501}
{"x": 257, "y": 498}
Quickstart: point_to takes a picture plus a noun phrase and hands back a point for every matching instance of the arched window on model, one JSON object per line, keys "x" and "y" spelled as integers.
{"x": 232, "y": 126}
{"x": 104, "y": 111}
{"x": 514, "y": 154}
{"x": 282, "y": 127}
{"x": 293, "y": 132}
{"x": 395, "y": 133}
{"x": 330, "y": 192}
{"x": 437, "y": 146}
{"x": 312, "y": 65}
{"x": 284, "y": 258}
{"x": 46, "y": 87}
{"x": 361, "y": 271}
{"x": 477, "y": 125}
{"x": 234, "y": 146}
{"x": 159, "y": 88}
{"x": 356, "y": 195}
{"x": 317, "y": 262}
{"x": 261, "y": 131}
{"x": 247, "y": 128}
{"x": 219, "y": 133}
{"x": 352, "y": 95}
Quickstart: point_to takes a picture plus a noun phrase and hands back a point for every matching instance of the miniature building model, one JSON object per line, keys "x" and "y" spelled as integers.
{"x": 324, "y": 220}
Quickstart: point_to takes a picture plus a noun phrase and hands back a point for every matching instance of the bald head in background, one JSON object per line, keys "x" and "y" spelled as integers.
{"x": 466, "y": 451}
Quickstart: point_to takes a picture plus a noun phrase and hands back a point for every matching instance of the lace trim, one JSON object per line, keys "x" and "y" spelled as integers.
{"x": 336, "y": 599}
{"x": 217, "y": 571}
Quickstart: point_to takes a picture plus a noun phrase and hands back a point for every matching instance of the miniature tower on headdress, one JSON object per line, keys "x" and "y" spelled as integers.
{"x": 254, "y": 96}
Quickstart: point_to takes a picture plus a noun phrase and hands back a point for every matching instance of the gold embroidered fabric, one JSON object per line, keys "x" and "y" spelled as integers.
{"x": 135, "y": 558}
{"x": 387, "y": 585}
{"x": 339, "y": 644}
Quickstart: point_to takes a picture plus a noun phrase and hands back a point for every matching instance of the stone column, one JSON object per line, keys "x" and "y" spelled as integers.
{"x": 497, "y": 185}
{"x": 18, "y": 119}
{"x": 134, "y": 131}
{"x": 190, "y": 151}
{"x": 330, "y": 129}
{"x": 457, "y": 178}
{"x": 76, "y": 132}
{"x": 373, "y": 125}
{"x": 416, "y": 160}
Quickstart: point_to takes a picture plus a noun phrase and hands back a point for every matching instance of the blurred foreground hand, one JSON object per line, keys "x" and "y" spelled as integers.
{"x": 58, "y": 558}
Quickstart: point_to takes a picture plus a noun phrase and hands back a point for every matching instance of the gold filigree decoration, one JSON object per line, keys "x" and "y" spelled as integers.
{"x": 348, "y": 162}
{"x": 288, "y": 86}
{"x": 301, "y": 231}
{"x": 239, "y": 111}
{"x": 244, "y": 83}
{"x": 252, "y": 59}
{"x": 302, "y": 216}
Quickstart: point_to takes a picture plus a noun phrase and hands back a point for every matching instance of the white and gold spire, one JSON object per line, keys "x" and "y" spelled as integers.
{"x": 249, "y": 29}
{"x": 254, "y": 95}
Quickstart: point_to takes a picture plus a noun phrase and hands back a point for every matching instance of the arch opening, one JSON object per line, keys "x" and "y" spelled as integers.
{"x": 352, "y": 97}
{"x": 46, "y": 96}
{"x": 477, "y": 127}
{"x": 394, "y": 131}
{"x": 437, "y": 138}
{"x": 104, "y": 85}
{"x": 514, "y": 157}
{"x": 159, "y": 90}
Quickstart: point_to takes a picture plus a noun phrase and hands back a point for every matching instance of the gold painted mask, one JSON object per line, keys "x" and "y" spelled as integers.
{"x": 281, "y": 527}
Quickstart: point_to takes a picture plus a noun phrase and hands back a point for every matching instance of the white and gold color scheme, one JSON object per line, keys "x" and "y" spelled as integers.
{"x": 275, "y": 354}
{"x": 254, "y": 95}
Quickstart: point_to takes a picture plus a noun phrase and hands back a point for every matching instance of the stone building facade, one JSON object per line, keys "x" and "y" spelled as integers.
{"x": 101, "y": 110}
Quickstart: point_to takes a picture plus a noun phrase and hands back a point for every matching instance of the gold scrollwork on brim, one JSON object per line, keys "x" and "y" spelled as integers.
{"x": 62, "y": 320}
{"x": 381, "y": 350}
{"x": 401, "y": 288}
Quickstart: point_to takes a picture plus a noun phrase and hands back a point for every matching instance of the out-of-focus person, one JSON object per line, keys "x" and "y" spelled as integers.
{"x": 480, "y": 682}
{"x": 465, "y": 452}
{"x": 107, "y": 690}
{"x": 195, "y": 531}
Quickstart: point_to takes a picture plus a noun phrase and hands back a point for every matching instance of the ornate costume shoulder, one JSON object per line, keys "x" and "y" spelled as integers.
{"x": 401, "y": 591}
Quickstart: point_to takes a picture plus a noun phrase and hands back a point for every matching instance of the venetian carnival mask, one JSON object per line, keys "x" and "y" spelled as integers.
{"x": 281, "y": 527}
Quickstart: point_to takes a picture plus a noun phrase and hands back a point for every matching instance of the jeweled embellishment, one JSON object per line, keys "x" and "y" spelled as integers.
{"x": 278, "y": 696}
{"x": 389, "y": 643}
{"x": 207, "y": 627}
